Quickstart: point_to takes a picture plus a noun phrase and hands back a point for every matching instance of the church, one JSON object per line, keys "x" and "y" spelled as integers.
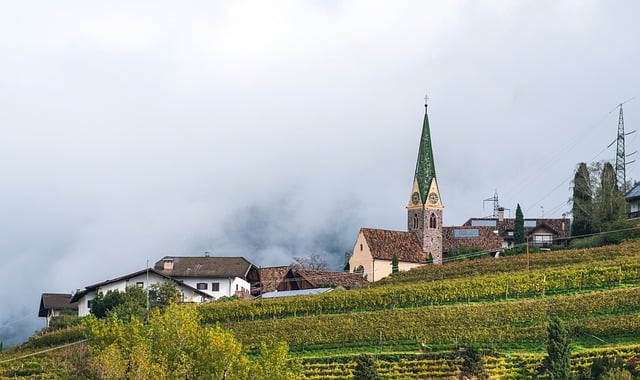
{"x": 427, "y": 240}
{"x": 375, "y": 249}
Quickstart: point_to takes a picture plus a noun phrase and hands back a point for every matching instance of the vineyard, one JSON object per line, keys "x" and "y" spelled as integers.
{"x": 415, "y": 322}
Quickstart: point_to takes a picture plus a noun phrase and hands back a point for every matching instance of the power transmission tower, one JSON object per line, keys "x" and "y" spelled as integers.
{"x": 496, "y": 203}
{"x": 621, "y": 156}
{"x": 621, "y": 175}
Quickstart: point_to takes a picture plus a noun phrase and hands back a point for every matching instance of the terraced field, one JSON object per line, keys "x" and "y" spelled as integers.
{"x": 415, "y": 322}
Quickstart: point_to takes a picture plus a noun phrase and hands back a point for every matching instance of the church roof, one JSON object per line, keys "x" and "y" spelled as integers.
{"x": 425, "y": 166}
{"x": 384, "y": 244}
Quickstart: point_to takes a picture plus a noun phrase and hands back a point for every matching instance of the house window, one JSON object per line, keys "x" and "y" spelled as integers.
{"x": 530, "y": 223}
{"x": 433, "y": 221}
{"x": 361, "y": 247}
{"x": 215, "y": 286}
{"x": 89, "y": 304}
{"x": 140, "y": 284}
{"x": 236, "y": 287}
{"x": 201, "y": 286}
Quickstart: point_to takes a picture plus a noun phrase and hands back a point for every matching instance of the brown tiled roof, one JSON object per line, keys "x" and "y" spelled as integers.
{"x": 55, "y": 301}
{"x": 271, "y": 277}
{"x": 487, "y": 240}
{"x": 384, "y": 244}
{"x": 320, "y": 278}
{"x": 204, "y": 266}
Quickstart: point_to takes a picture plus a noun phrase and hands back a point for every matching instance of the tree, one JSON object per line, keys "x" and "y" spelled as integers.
{"x": 582, "y": 209}
{"x": 617, "y": 374}
{"x": 365, "y": 368}
{"x": 557, "y": 361}
{"x": 163, "y": 294}
{"x": 610, "y": 205}
{"x": 394, "y": 264}
{"x": 313, "y": 262}
{"x": 269, "y": 364}
{"x": 518, "y": 227}
{"x": 174, "y": 345}
{"x": 472, "y": 365}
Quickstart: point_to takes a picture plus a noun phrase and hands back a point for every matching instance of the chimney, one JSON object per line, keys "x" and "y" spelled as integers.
{"x": 168, "y": 264}
{"x": 500, "y": 214}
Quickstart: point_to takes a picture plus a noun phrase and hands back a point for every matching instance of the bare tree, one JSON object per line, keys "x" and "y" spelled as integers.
{"x": 313, "y": 262}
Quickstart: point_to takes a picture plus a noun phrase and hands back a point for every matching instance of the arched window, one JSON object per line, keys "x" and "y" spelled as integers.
{"x": 433, "y": 221}
{"x": 415, "y": 221}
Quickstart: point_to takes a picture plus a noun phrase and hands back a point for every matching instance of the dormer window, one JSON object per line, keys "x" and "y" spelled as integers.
{"x": 168, "y": 264}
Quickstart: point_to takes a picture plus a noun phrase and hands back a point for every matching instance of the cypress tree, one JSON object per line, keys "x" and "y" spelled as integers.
{"x": 610, "y": 202}
{"x": 395, "y": 262}
{"x": 557, "y": 362}
{"x": 518, "y": 228}
{"x": 365, "y": 368}
{"x": 582, "y": 209}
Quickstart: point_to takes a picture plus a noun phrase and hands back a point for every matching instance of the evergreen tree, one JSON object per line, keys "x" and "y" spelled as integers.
{"x": 472, "y": 365}
{"x": 366, "y": 368}
{"x": 610, "y": 202}
{"x": 582, "y": 209}
{"x": 518, "y": 228}
{"x": 394, "y": 264}
{"x": 557, "y": 361}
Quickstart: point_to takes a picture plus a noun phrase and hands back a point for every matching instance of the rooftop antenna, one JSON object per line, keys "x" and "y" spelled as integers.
{"x": 207, "y": 254}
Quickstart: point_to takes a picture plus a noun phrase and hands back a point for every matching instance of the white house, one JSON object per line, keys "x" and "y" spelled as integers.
{"x": 143, "y": 279}
{"x": 215, "y": 276}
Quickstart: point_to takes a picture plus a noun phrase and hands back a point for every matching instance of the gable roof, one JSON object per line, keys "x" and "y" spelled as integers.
{"x": 55, "y": 301}
{"x": 211, "y": 267}
{"x": 485, "y": 239}
{"x": 79, "y": 294}
{"x": 318, "y": 278}
{"x": 271, "y": 277}
{"x": 384, "y": 244}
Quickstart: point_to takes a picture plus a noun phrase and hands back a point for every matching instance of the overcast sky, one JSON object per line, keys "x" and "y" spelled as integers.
{"x": 271, "y": 129}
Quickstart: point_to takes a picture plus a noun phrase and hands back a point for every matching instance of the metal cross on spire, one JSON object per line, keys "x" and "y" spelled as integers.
{"x": 426, "y": 99}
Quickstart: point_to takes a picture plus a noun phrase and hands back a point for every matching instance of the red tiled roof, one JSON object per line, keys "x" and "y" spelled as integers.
{"x": 271, "y": 277}
{"x": 318, "y": 278}
{"x": 384, "y": 244}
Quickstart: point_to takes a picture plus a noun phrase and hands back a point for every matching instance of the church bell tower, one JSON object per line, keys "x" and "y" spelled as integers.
{"x": 424, "y": 210}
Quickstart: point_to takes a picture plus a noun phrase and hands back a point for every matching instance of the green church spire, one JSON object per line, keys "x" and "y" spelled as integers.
{"x": 425, "y": 167}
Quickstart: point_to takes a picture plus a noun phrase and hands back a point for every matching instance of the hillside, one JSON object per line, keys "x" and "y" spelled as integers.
{"x": 414, "y": 322}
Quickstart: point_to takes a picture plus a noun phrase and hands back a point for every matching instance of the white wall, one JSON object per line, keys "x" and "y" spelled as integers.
{"x": 188, "y": 295}
{"x": 227, "y": 286}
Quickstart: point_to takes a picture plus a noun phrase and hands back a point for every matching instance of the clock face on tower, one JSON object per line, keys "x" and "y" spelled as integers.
{"x": 433, "y": 198}
{"x": 415, "y": 198}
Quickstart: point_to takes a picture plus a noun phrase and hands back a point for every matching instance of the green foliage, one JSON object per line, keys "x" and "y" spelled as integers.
{"x": 174, "y": 345}
{"x": 365, "y": 368}
{"x": 273, "y": 363}
{"x": 617, "y": 374}
{"x": 519, "y": 250}
{"x": 557, "y": 362}
{"x": 105, "y": 302}
{"x": 582, "y": 209}
{"x": 518, "y": 227}
{"x": 466, "y": 253}
{"x": 64, "y": 320}
{"x": 471, "y": 364}
{"x": 610, "y": 205}
{"x": 394, "y": 264}
{"x": 618, "y": 232}
{"x": 163, "y": 294}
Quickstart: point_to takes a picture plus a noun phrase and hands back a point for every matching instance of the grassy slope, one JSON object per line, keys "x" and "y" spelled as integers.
{"x": 604, "y": 316}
